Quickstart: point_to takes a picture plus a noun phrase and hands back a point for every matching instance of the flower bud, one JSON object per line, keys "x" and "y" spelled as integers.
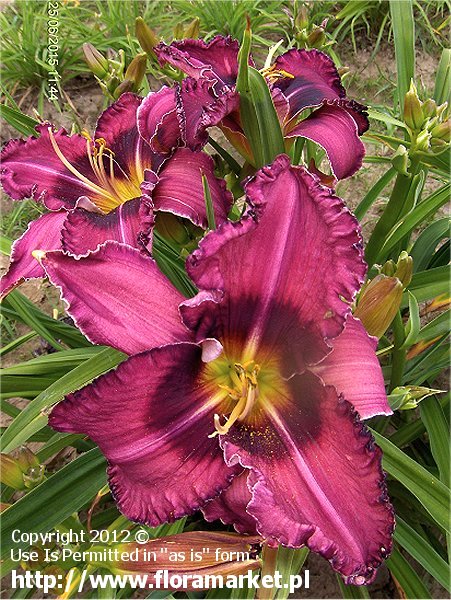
{"x": 423, "y": 141}
{"x": 389, "y": 268}
{"x": 404, "y": 268}
{"x": 413, "y": 114}
{"x": 438, "y": 145}
{"x": 408, "y": 397}
{"x": 59, "y": 575}
{"x": 176, "y": 230}
{"x": 301, "y": 20}
{"x": 123, "y": 87}
{"x": 185, "y": 555}
{"x": 37, "y": 561}
{"x": 316, "y": 38}
{"x": 136, "y": 70}
{"x": 179, "y": 31}
{"x": 95, "y": 60}
{"x": 429, "y": 108}
{"x": 441, "y": 109}
{"x": 147, "y": 38}
{"x": 34, "y": 476}
{"x": 10, "y": 472}
{"x": 378, "y": 304}
{"x": 400, "y": 160}
{"x": 442, "y": 131}
{"x": 26, "y": 459}
{"x": 192, "y": 30}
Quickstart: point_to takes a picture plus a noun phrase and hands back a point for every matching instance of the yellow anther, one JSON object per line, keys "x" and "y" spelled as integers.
{"x": 274, "y": 74}
{"x": 244, "y": 392}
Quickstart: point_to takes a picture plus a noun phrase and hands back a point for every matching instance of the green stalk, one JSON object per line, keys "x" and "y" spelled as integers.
{"x": 394, "y": 211}
{"x": 399, "y": 353}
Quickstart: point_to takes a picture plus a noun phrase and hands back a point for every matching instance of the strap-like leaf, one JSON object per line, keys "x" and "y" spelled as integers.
{"x": 432, "y": 493}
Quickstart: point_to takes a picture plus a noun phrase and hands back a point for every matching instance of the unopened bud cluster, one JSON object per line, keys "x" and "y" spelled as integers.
{"x": 380, "y": 298}
{"x": 429, "y": 125}
{"x": 408, "y": 397}
{"x": 309, "y": 35}
{"x": 21, "y": 472}
{"x": 113, "y": 77}
{"x": 148, "y": 40}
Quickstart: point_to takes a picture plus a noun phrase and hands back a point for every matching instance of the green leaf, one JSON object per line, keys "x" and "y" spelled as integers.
{"x": 208, "y": 204}
{"x": 442, "y": 89}
{"x": 426, "y": 243}
{"x": 432, "y": 493}
{"x": 436, "y": 424}
{"x": 289, "y": 562}
{"x": 258, "y": 114}
{"x": 23, "y": 123}
{"x": 383, "y": 118}
{"x": 51, "y": 502}
{"x": 406, "y": 577}
{"x": 171, "y": 265}
{"x": 429, "y": 284}
{"x": 25, "y": 311}
{"x": 352, "y": 591}
{"x": 415, "y": 217}
{"x": 57, "y": 442}
{"x": 413, "y": 324}
{"x": 19, "y": 303}
{"x": 31, "y": 419}
{"x": 17, "y": 342}
{"x": 404, "y": 37}
{"x": 374, "y": 193}
{"x": 5, "y": 245}
{"x": 236, "y": 168}
{"x": 422, "y": 552}
{"x": 411, "y": 431}
{"x": 65, "y": 359}
{"x": 436, "y": 328}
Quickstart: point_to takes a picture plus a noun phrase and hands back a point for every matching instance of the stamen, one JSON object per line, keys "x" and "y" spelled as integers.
{"x": 73, "y": 170}
{"x": 244, "y": 393}
{"x": 274, "y": 74}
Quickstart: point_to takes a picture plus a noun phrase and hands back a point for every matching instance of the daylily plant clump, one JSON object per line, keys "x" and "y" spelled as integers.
{"x": 246, "y": 400}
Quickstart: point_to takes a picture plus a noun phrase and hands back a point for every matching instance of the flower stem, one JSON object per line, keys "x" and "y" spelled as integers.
{"x": 399, "y": 354}
{"x": 395, "y": 209}
{"x": 269, "y": 568}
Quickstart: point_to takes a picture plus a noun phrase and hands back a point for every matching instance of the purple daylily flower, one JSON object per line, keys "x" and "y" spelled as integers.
{"x": 242, "y": 400}
{"x": 299, "y": 80}
{"x": 102, "y": 188}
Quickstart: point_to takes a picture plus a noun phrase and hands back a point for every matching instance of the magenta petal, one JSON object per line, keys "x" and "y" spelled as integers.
{"x": 354, "y": 369}
{"x": 335, "y": 129}
{"x": 84, "y": 231}
{"x": 118, "y": 297}
{"x": 32, "y": 169}
{"x": 230, "y": 506}
{"x": 43, "y": 234}
{"x": 151, "y": 418}
{"x": 315, "y": 78}
{"x": 158, "y": 123}
{"x": 329, "y": 493}
{"x": 285, "y": 278}
{"x": 216, "y": 60}
{"x": 180, "y": 190}
{"x": 199, "y": 107}
{"x": 118, "y": 127}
